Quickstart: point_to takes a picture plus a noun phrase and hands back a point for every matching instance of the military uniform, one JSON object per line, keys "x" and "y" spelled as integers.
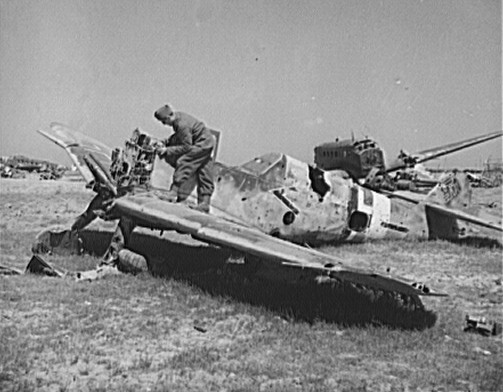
{"x": 189, "y": 151}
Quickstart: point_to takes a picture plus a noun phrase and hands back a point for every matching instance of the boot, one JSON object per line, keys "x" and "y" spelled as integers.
{"x": 171, "y": 196}
{"x": 182, "y": 198}
{"x": 203, "y": 203}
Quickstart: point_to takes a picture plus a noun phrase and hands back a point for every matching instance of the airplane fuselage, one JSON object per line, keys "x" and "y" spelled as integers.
{"x": 289, "y": 199}
{"x": 357, "y": 158}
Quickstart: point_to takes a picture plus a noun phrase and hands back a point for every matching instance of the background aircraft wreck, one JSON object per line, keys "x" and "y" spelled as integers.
{"x": 490, "y": 176}
{"x": 16, "y": 166}
{"x": 364, "y": 161}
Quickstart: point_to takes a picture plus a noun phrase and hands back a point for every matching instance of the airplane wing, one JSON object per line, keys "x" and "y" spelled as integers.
{"x": 450, "y": 198}
{"x": 408, "y": 160}
{"x": 455, "y": 213}
{"x": 153, "y": 213}
{"x": 78, "y": 146}
{"x": 463, "y": 216}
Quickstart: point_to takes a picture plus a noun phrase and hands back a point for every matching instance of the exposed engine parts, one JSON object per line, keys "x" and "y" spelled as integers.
{"x": 133, "y": 165}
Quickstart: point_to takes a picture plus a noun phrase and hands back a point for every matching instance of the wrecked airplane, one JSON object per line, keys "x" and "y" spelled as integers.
{"x": 282, "y": 196}
{"x": 364, "y": 161}
{"x": 267, "y": 209}
{"x": 18, "y": 165}
{"x": 263, "y": 209}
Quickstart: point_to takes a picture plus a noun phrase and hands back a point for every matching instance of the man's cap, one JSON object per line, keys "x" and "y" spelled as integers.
{"x": 163, "y": 112}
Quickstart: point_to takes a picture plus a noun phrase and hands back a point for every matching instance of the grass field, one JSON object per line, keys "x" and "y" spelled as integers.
{"x": 207, "y": 328}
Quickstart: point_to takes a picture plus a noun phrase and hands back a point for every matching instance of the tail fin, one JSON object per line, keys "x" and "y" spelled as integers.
{"x": 450, "y": 215}
{"x": 453, "y": 191}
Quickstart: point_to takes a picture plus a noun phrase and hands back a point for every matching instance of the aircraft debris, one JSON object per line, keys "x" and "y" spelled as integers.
{"x": 480, "y": 350}
{"x": 37, "y": 265}
{"x": 18, "y": 165}
{"x": 490, "y": 176}
{"x": 200, "y": 329}
{"x": 9, "y": 172}
{"x": 276, "y": 194}
{"x": 482, "y": 326}
{"x": 57, "y": 238}
{"x": 364, "y": 161}
{"x": 64, "y": 241}
{"x": 5, "y": 270}
{"x": 268, "y": 209}
{"x": 97, "y": 273}
{"x": 263, "y": 209}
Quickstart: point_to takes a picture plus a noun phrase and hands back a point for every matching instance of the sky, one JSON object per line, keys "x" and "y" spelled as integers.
{"x": 272, "y": 75}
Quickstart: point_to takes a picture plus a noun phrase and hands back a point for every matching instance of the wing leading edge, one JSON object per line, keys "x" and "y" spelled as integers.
{"x": 154, "y": 213}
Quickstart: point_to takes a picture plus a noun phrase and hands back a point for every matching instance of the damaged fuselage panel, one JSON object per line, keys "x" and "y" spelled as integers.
{"x": 290, "y": 199}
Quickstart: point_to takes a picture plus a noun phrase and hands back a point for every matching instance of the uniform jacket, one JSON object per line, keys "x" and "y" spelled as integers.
{"x": 190, "y": 133}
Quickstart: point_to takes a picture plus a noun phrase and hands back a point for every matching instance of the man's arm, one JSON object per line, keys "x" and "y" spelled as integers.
{"x": 176, "y": 150}
{"x": 183, "y": 138}
{"x": 173, "y": 150}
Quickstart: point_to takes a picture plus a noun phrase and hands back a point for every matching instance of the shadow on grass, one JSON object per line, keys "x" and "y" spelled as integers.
{"x": 288, "y": 291}
{"x": 480, "y": 242}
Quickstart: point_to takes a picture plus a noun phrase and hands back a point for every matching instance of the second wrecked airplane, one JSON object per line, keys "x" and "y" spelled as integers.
{"x": 364, "y": 161}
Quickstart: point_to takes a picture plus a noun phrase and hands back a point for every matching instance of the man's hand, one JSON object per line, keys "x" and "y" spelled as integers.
{"x": 169, "y": 152}
{"x": 161, "y": 150}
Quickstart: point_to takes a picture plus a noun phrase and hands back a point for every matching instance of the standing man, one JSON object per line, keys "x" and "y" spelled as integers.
{"x": 189, "y": 151}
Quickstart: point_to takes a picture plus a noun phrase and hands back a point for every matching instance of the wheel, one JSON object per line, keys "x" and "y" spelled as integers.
{"x": 131, "y": 262}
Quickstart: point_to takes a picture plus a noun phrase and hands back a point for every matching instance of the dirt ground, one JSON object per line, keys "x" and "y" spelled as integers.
{"x": 204, "y": 329}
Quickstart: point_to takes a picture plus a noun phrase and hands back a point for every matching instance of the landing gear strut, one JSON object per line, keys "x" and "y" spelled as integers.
{"x": 117, "y": 253}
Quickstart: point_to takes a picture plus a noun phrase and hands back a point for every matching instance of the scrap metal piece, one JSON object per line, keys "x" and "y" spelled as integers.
{"x": 97, "y": 273}
{"x": 6, "y": 270}
{"x": 200, "y": 329}
{"x": 37, "y": 265}
{"x": 128, "y": 262}
{"x": 57, "y": 240}
{"x": 482, "y": 326}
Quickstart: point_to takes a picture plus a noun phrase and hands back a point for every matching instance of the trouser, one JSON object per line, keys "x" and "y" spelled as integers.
{"x": 196, "y": 162}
